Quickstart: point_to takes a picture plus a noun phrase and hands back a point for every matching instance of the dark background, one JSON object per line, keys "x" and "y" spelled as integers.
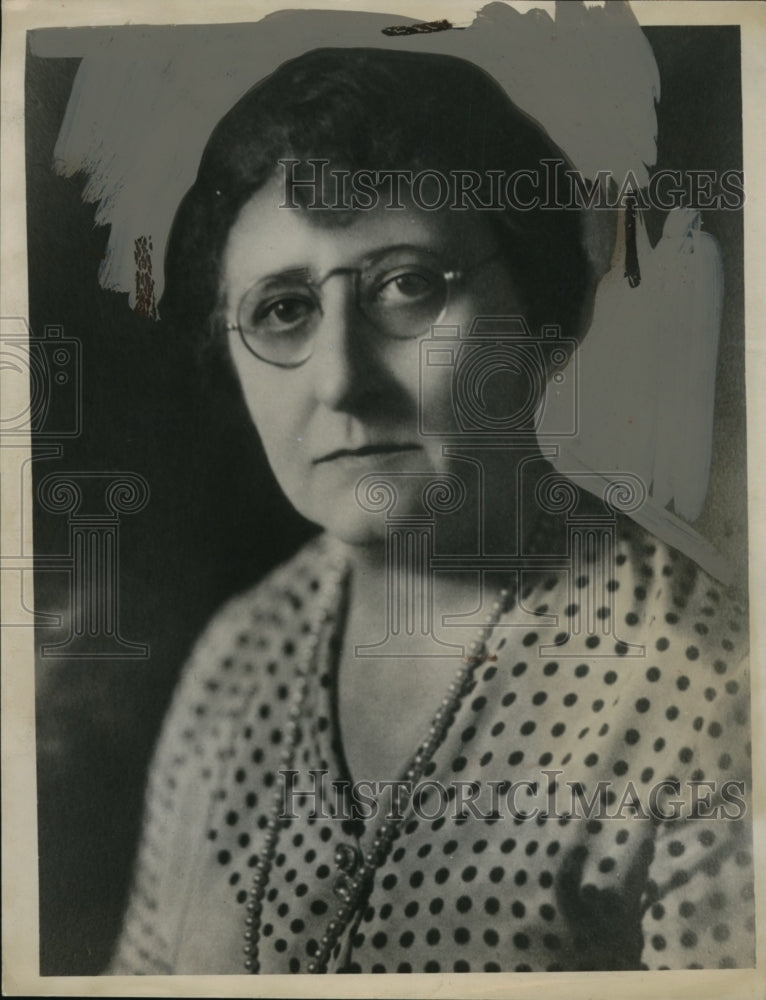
{"x": 216, "y": 522}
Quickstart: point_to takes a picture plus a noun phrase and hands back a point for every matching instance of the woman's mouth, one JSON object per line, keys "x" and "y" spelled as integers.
{"x": 366, "y": 450}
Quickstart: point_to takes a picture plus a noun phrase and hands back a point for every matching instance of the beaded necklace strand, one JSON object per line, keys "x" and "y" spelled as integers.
{"x": 355, "y": 881}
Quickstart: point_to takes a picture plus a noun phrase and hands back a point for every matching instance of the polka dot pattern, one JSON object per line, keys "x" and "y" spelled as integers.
{"x": 597, "y": 812}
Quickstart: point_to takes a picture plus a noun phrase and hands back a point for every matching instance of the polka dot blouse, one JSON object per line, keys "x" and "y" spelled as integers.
{"x": 588, "y": 808}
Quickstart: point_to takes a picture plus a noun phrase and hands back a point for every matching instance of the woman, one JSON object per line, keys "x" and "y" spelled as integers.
{"x": 352, "y": 776}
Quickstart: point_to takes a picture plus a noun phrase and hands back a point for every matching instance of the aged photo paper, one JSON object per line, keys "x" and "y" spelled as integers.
{"x": 382, "y": 498}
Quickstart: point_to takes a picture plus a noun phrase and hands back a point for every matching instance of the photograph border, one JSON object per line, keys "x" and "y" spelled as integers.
{"x": 19, "y": 801}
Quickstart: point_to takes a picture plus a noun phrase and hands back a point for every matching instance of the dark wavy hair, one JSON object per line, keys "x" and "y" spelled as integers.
{"x": 364, "y": 109}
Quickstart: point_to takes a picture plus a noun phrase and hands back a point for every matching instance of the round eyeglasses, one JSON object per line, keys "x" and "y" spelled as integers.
{"x": 402, "y": 292}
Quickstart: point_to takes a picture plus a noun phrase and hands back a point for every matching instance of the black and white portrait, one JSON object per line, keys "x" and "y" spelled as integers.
{"x": 384, "y": 556}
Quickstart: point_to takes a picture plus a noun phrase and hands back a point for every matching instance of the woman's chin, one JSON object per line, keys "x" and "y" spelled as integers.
{"x": 348, "y": 524}
{"x": 357, "y": 536}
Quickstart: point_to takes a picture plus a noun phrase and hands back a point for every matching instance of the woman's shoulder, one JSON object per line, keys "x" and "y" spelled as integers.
{"x": 672, "y": 582}
{"x": 252, "y": 633}
{"x": 285, "y": 595}
{"x": 692, "y": 627}
{"x": 228, "y": 671}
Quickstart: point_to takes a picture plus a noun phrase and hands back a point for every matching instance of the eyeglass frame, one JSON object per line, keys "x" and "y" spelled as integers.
{"x": 451, "y": 277}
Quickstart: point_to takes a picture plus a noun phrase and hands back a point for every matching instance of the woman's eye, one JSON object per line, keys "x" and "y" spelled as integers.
{"x": 285, "y": 312}
{"x": 400, "y": 288}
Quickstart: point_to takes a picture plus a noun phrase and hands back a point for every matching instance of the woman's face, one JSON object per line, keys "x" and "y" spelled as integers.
{"x": 352, "y": 408}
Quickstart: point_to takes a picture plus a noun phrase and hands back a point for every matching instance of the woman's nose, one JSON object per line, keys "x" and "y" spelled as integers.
{"x": 344, "y": 366}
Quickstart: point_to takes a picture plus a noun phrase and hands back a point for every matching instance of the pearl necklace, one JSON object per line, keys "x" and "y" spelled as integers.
{"x": 355, "y": 881}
